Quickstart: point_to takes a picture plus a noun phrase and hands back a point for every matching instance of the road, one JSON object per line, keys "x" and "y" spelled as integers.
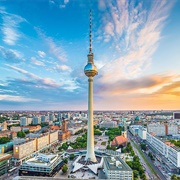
{"x": 150, "y": 174}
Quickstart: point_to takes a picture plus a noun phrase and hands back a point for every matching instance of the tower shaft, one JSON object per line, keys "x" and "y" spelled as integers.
{"x": 90, "y": 155}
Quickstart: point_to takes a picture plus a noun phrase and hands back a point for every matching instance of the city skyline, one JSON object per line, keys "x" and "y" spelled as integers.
{"x": 44, "y": 47}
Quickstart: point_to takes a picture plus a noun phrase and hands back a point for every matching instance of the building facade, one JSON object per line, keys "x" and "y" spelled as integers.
{"x": 41, "y": 165}
{"x": 115, "y": 168}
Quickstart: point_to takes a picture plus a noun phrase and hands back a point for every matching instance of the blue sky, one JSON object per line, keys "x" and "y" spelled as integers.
{"x": 44, "y": 47}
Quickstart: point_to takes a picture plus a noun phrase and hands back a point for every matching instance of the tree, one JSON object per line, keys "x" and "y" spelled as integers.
{"x": 136, "y": 173}
{"x": 4, "y": 140}
{"x": 64, "y": 168}
{"x": 71, "y": 157}
{"x": 143, "y": 147}
{"x": 174, "y": 177}
{"x": 21, "y": 134}
{"x": 65, "y": 160}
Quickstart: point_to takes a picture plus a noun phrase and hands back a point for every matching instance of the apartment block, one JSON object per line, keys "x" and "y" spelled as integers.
{"x": 24, "y": 149}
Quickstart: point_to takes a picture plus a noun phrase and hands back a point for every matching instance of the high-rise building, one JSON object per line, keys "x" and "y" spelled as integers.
{"x": 23, "y": 121}
{"x": 36, "y": 120}
{"x": 90, "y": 71}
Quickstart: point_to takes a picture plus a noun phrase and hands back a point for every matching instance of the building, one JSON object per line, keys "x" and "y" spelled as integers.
{"x": 171, "y": 129}
{"x": 42, "y": 141}
{"x": 119, "y": 141}
{"x": 53, "y": 136}
{"x": 108, "y": 124}
{"x": 4, "y": 148}
{"x": 176, "y": 115}
{"x": 15, "y": 128}
{"x": 134, "y": 129}
{"x": 41, "y": 165}
{"x": 115, "y": 168}
{"x": 165, "y": 149}
{"x": 31, "y": 128}
{"x": 142, "y": 133}
{"x": 24, "y": 149}
{"x": 5, "y": 133}
{"x": 64, "y": 133}
{"x": 44, "y": 118}
{"x": 157, "y": 129}
{"x": 23, "y": 121}
{"x": 162, "y": 129}
{"x": 3, "y": 126}
{"x": 36, "y": 120}
{"x": 5, "y": 163}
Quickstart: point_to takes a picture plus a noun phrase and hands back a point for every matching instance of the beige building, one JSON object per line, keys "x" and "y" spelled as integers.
{"x": 42, "y": 141}
{"x": 24, "y": 149}
{"x": 53, "y": 136}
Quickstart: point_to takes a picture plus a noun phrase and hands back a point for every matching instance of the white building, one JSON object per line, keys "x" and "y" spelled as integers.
{"x": 134, "y": 129}
{"x": 142, "y": 132}
{"x": 115, "y": 168}
{"x": 108, "y": 124}
{"x": 172, "y": 153}
{"x": 36, "y": 120}
{"x": 172, "y": 129}
{"x": 157, "y": 129}
{"x": 44, "y": 118}
{"x": 23, "y": 121}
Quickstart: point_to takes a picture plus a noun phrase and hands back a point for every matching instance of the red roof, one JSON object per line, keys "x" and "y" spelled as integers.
{"x": 118, "y": 140}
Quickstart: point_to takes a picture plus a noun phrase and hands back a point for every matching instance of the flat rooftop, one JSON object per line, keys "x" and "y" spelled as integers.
{"x": 41, "y": 160}
{"x": 116, "y": 164}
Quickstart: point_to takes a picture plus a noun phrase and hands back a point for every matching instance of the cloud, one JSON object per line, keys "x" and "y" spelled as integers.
{"x": 11, "y": 55}
{"x": 54, "y": 49}
{"x": 156, "y": 84}
{"x": 16, "y": 98}
{"x": 101, "y": 5}
{"x": 135, "y": 31}
{"x": 10, "y": 27}
{"x": 41, "y": 54}
{"x": 44, "y": 82}
{"x": 36, "y": 62}
{"x": 63, "y": 68}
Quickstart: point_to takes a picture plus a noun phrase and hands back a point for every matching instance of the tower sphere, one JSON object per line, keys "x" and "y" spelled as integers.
{"x": 90, "y": 69}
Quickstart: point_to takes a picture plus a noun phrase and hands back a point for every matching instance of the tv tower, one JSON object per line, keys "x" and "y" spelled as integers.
{"x": 90, "y": 71}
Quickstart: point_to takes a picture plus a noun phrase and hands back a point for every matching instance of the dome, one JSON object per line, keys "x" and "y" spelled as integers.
{"x": 90, "y": 70}
{"x": 137, "y": 118}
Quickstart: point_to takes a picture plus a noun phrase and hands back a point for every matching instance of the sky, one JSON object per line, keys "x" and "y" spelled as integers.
{"x": 44, "y": 46}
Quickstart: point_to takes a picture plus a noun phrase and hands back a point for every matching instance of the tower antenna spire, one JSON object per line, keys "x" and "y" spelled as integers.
{"x": 90, "y": 32}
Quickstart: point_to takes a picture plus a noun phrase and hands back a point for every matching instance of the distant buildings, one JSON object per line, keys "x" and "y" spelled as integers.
{"x": 25, "y": 121}
{"x": 108, "y": 124}
{"x": 64, "y": 134}
{"x": 162, "y": 129}
{"x": 3, "y": 126}
{"x": 41, "y": 165}
{"x": 36, "y": 120}
{"x": 115, "y": 168}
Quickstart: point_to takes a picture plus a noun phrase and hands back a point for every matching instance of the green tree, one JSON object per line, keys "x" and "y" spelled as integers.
{"x": 136, "y": 173}
{"x": 143, "y": 147}
{"x": 65, "y": 168}
{"x": 174, "y": 177}
{"x": 65, "y": 160}
{"x": 21, "y": 134}
{"x": 71, "y": 157}
{"x": 4, "y": 140}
